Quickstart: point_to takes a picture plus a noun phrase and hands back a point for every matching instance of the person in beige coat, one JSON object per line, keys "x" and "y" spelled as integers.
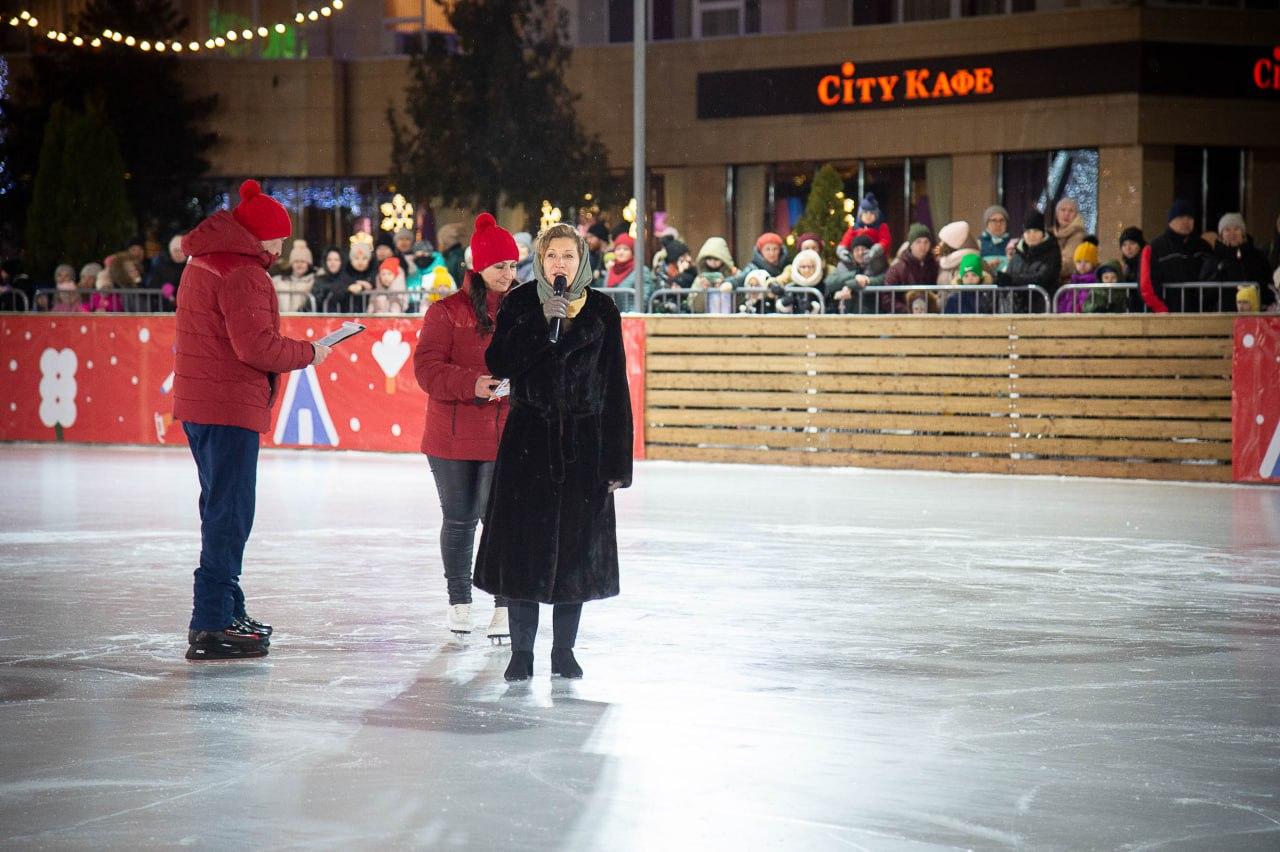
{"x": 1068, "y": 229}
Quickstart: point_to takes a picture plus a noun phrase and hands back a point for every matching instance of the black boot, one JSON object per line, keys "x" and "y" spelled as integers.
{"x": 229, "y": 644}
{"x": 564, "y": 664}
{"x": 520, "y": 667}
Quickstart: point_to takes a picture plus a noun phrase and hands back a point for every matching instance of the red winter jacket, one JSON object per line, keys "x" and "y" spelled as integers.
{"x": 448, "y": 359}
{"x": 880, "y": 234}
{"x": 229, "y": 348}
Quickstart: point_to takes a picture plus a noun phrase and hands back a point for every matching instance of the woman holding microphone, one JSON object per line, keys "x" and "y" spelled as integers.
{"x": 549, "y": 534}
{"x": 466, "y": 410}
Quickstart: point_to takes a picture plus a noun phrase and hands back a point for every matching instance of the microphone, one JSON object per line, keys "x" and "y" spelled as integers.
{"x": 560, "y": 284}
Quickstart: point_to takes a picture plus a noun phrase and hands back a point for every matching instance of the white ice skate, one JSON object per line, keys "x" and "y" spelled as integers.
{"x": 498, "y": 628}
{"x": 460, "y": 619}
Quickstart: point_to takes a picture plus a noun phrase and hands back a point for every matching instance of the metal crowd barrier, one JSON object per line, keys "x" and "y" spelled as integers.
{"x": 1117, "y": 287}
{"x": 377, "y": 302}
{"x": 717, "y": 301}
{"x": 133, "y": 300}
{"x": 1001, "y": 300}
{"x": 18, "y": 295}
{"x": 285, "y": 293}
{"x": 623, "y": 304}
{"x": 1200, "y": 288}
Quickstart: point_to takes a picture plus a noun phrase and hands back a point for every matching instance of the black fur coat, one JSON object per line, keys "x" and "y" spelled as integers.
{"x": 549, "y": 532}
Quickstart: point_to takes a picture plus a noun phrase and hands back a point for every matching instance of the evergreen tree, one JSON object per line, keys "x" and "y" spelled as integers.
{"x": 45, "y": 216}
{"x": 490, "y": 116}
{"x": 157, "y": 126}
{"x": 824, "y": 211}
{"x": 79, "y": 210}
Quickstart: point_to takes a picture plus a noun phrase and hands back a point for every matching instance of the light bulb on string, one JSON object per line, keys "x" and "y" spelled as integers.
{"x": 314, "y": 16}
{"x": 326, "y": 11}
{"x": 299, "y": 17}
{"x": 130, "y": 40}
{"x": 280, "y": 28}
{"x": 32, "y": 22}
{"x": 97, "y": 42}
{"x": 210, "y": 43}
{"x": 263, "y": 32}
{"x": 194, "y": 45}
{"x": 161, "y": 47}
{"x": 337, "y": 4}
{"x": 231, "y": 35}
{"x": 116, "y": 37}
{"x": 145, "y": 45}
{"x": 77, "y": 41}
{"x": 246, "y": 34}
{"x": 220, "y": 41}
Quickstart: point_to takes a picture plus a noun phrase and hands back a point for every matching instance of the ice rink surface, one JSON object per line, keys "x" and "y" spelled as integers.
{"x": 800, "y": 659}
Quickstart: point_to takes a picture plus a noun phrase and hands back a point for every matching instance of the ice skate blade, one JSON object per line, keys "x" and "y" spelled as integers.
{"x": 500, "y": 640}
{"x": 461, "y": 634}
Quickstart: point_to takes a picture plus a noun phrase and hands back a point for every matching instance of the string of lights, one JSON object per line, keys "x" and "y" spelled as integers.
{"x": 248, "y": 34}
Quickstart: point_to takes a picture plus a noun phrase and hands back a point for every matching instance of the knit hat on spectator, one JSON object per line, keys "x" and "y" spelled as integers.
{"x": 954, "y": 234}
{"x": 1034, "y": 221}
{"x": 300, "y": 252}
{"x": 261, "y": 215}
{"x": 1132, "y": 234}
{"x": 862, "y": 240}
{"x": 1248, "y": 295}
{"x": 994, "y": 210}
{"x": 403, "y": 232}
{"x": 491, "y": 243}
{"x": 806, "y": 236}
{"x": 969, "y": 263}
{"x": 599, "y": 231}
{"x": 384, "y": 239}
{"x": 625, "y": 228}
{"x": 868, "y": 204}
{"x": 630, "y": 242}
{"x": 1087, "y": 252}
{"x": 423, "y": 247}
{"x": 768, "y": 237}
{"x": 1181, "y": 207}
{"x": 391, "y": 264}
{"x": 756, "y": 278}
{"x": 675, "y": 249}
{"x": 1232, "y": 220}
{"x": 90, "y": 269}
{"x": 1112, "y": 266}
{"x": 918, "y": 230}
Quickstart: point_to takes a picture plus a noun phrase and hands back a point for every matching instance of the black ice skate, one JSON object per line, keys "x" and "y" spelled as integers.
{"x": 255, "y": 625}
{"x": 564, "y": 664}
{"x": 238, "y": 632}
{"x": 230, "y": 644}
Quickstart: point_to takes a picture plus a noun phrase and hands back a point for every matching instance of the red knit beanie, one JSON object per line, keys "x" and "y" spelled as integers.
{"x": 625, "y": 240}
{"x": 261, "y": 215}
{"x": 391, "y": 264}
{"x": 768, "y": 237}
{"x": 491, "y": 244}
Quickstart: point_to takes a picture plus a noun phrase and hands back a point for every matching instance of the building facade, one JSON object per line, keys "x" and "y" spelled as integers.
{"x": 939, "y": 107}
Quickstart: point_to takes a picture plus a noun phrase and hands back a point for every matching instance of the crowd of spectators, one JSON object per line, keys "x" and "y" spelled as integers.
{"x": 1051, "y": 264}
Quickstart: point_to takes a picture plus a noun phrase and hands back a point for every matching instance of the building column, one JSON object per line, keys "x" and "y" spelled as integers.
{"x": 695, "y": 203}
{"x": 1120, "y": 195}
{"x": 973, "y": 189}
{"x": 1157, "y": 189}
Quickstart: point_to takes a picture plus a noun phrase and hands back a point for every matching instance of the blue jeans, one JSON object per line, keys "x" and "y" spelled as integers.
{"x": 227, "y": 464}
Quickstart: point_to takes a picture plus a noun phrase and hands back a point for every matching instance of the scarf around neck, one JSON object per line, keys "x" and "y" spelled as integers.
{"x": 577, "y": 287}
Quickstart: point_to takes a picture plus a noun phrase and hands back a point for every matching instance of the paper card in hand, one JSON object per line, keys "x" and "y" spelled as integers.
{"x": 503, "y": 388}
{"x": 338, "y": 335}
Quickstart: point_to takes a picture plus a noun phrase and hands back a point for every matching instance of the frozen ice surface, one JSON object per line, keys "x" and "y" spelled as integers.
{"x": 800, "y": 659}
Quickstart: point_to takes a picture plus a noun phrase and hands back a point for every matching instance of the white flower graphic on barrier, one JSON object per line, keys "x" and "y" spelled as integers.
{"x": 391, "y": 352}
{"x": 58, "y": 389}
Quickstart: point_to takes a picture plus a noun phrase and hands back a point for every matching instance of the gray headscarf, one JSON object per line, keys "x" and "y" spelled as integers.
{"x": 577, "y": 286}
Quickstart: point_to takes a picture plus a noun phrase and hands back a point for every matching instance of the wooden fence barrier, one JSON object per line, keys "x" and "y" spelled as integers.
{"x": 1144, "y": 396}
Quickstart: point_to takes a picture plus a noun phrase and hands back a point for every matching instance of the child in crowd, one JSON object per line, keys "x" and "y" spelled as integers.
{"x": 68, "y": 300}
{"x": 954, "y": 243}
{"x": 1086, "y": 261}
{"x": 1103, "y": 300}
{"x": 714, "y": 268}
{"x": 425, "y": 261}
{"x": 869, "y": 222}
{"x": 102, "y": 300}
{"x": 970, "y": 271}
{"x": 759, "y": 302}
{"x": 922, "y": 302}
{"x": 390, "y": 279}
{"x": 89, "y": 277}
{"x": 1248, "y": 300}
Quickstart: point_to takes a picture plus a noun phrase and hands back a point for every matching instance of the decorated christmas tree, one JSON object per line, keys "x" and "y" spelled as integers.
{"x": 824, "y": 213}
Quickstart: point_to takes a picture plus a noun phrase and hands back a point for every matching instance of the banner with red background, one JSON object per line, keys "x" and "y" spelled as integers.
{"x": 1255, "y": 400}
{"x": 107, "y": 379}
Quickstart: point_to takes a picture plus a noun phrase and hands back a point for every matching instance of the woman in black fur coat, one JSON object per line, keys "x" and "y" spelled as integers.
{"x": 549, "y": 533}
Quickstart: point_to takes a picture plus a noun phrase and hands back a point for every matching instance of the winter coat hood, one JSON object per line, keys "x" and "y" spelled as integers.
{"x": 222, "y": 234}
{"x": 719, "y": 249}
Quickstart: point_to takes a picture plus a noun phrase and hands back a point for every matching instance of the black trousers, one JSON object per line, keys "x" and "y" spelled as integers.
{"x": 464, "y": 493}
{"x": 523, "y": 617}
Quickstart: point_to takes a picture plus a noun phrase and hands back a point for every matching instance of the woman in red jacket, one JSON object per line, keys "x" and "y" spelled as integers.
{"x": 466, "y": 410}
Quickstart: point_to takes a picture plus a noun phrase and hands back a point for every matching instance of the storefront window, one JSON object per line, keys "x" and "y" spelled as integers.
{"x": 1040, "y": 179}
{"x": 925, "y": 10}
{"x": 1210, "y": 178}
{"x": 931, "y": 191}
{"x": 874, "y": 12}
{"x": 887, "y": 179}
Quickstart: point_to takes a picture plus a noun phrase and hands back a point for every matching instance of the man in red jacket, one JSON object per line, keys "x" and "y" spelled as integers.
{"x": 229, "y": 357}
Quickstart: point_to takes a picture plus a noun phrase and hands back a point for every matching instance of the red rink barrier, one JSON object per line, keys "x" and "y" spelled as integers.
{"x": 107, "y": 379}
{"x": 1255, "y": 400}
